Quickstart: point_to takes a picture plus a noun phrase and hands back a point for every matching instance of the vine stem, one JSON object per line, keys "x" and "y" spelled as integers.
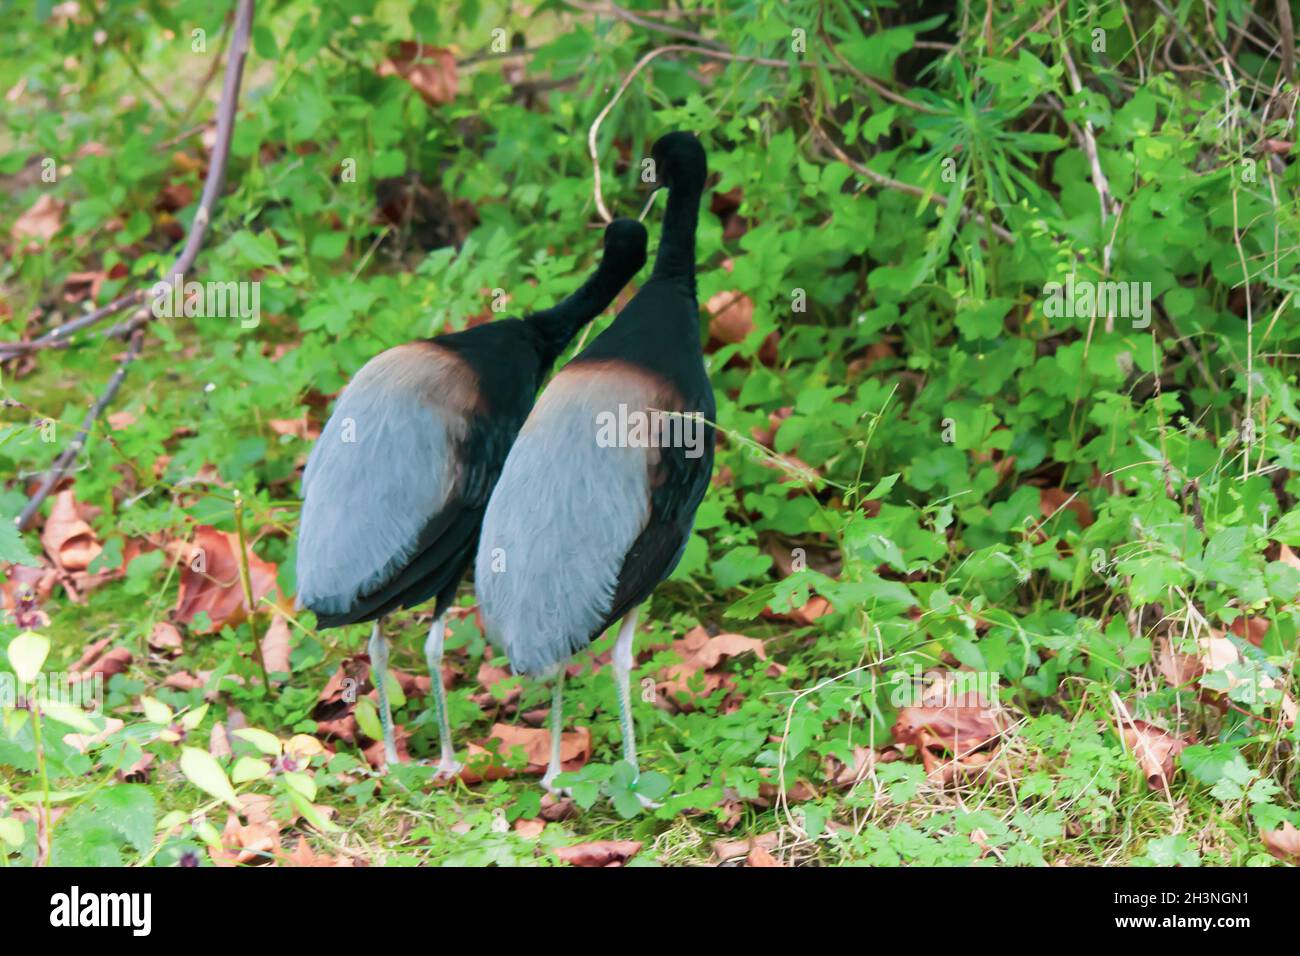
{"x": 246, "y": 582}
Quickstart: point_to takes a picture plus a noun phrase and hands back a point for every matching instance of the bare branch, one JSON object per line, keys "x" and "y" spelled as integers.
{"x": 193, "y": 243}
{"x": 69, "y": 454}
{"x": 898, "y": 185}
{"x": 202, "y": 216}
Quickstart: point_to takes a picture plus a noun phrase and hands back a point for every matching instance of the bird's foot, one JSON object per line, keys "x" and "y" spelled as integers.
{"x": 653, "y": 782}
{"x": 391, "y": 759}
{"x": 647, "y": 803}
{"x": 548, "y": 783}
{"x": 446, "y": 768}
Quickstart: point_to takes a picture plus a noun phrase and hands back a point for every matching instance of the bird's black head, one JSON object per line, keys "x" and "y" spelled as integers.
{"x": 625, "y": 244}
{"x": 679, "y": 161}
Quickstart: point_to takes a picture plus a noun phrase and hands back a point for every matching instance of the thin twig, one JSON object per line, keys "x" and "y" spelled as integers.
{"x": 863, "y": 78}
{"x": 627, "y": 15}
{"x": 641, "y": 64}
{"x": 246, "y": 582}
{"x": 207, "y": 202}
{"x": 627, "y": 81}
{"x": 204, "y": 83}
{"x": 69, "y": 454}
{"x": 899, "y": 186}
{"x": 1088, "y": 143}
{"x": 194, "y": 242}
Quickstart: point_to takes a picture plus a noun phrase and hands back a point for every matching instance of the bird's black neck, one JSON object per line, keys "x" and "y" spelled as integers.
{"x": 676, "y": 257}
{"x": 557, "y": 325}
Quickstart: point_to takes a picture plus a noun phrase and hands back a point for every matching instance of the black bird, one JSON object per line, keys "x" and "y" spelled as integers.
{"x": 598, "y": 494}
{"x": 396, "y": 485}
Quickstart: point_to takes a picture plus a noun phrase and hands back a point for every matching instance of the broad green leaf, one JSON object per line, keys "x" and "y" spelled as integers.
{"x": 27, "y": 653}
{"x": 205, "y": 773}
{"x": 263, "y": 740}
{"x": 155, "y": 711}
{"x": 248, "y": 768}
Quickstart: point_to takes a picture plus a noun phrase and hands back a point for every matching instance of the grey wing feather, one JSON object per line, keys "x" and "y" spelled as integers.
{"x": 560, "y": 521}
{"x": 383, "y": 467}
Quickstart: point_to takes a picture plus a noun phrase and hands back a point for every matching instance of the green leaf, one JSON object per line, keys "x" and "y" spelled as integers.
{"x": 95, "y": 833}
{"x": 155, "y": 711}
{"x": 70, "y": 715}
{"x": 329, "y": 245}
{"x": 13, "y": 549}
{"x": 248, "y": 768}
{"x": 300, "y": 782}
{"x": 202, "y": 770}
{"x": 263, "y": 740}
{"x": 882, "y": 487}
{"x": 27, "y": 653}
{"x": 368, "y": 719}
{"x": 311, "y": 814}
{"x": 740, "y": 564}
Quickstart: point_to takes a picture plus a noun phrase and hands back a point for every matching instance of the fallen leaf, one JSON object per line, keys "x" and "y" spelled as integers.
{"x": 726, "y": 850}
{"x": 700, "y": 653}
{"x": 83, "y": 742}
{"x": 760, "y": 857}
{"x": 374, "y": 753}
{"x": 297, "y": 427}
{"x": 801, "y": 791}
{"x": 1155, "y": 749}
{"x": 303, "y": 855}
{"x": 1253, "y": 629}
{"x": 842, "y": 775}
{"x": 948, "y": 718}
{"x": 246, "y": 843}
{"x": 258, "y": 808}
{"x": 182, "y": 680}
{"x": 766, "y": 436}
{"x": 67, "y": 537}
{"x": 488, "y": 677}
{"x": 210, "y": 581}
{"x": 732, "y": 316}
{"x": 530, "y": 829}
{"x": 600, "y": 853}
{"x": 1284, "y": 843}
{"x": 1179, "y": 669}
{"x": 430, "y": 70}
{"x": 723, "y": 646}
{"x": 219, "y": 741}
{"x": 275, "y": 646}
{"x": 40, "y": 222}
{"x": 1052, "y": 500}
{"x": 575, "y": 751}
{"x": 92, "y": 652}
{"x": 138, "y": 772}
{"x": 112, "y": 662}
{"x": 165, "y": 639}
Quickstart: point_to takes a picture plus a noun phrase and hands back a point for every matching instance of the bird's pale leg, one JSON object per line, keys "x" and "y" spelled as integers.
{"x": 433, "y": 657}
{"x": 557, "y": 730}
{"x": 623, "y": 661}
{"x": 379, "y": 677}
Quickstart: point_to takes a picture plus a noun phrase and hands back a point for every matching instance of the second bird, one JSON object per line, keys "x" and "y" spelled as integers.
{"x": 598, "y": 495}
{"x": 396, "y": 486}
